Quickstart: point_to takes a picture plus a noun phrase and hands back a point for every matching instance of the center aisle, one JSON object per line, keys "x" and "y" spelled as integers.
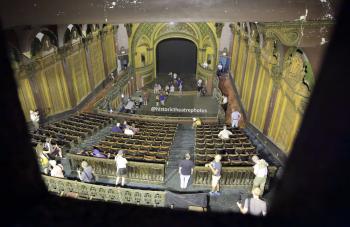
{"x": 183, "y": 143}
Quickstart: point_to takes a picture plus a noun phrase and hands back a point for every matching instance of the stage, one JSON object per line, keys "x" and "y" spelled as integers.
{"x": 189, "y": 105}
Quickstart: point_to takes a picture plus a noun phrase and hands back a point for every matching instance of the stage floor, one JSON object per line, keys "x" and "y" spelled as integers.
{"x": 189, "y": 81}
{"x": 181, "y": 106}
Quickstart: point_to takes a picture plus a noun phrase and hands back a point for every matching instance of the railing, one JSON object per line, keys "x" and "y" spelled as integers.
{"x": 230, "y": 177}
{"x": 82, "y": 190}
{"x": 137, "y": 171}
{"x": 155, "y": 118}
{"x": 116, "y": 91}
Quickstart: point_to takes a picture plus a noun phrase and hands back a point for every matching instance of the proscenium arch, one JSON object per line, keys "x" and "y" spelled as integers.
{"x": 200, "y": 30}
{"x": 166, "y": 38}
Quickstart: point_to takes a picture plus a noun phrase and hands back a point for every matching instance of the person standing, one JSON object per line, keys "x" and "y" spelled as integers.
{"x": 162, "y": 99}
{"x": 215, "y": 167}
{"x": 235, "y": 117}
{"x": 157, "y": 100}
{"x": 180, "y": 88}
{"x": 140, "y": 101}
{"x": 121, "y": 163}
{"x": 145, "y": 98}
{"x": 254, "y": 206}
{"x": 34, "y": 117}
{"x": 260, "y": 172}
{"x": 199, "y": 86}
{"x": 56, "y": 151}
{"x": 185, "y": 171}
{"x": 224, "y": 103}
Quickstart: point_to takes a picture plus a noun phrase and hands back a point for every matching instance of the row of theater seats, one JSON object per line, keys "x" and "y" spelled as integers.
{"x": 236, "y": 151}
{"x": 71, "y": 130}
{"x": 151, "y": 144}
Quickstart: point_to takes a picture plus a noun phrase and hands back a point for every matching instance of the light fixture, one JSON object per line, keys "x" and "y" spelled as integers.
{"x": 172, "y": 23}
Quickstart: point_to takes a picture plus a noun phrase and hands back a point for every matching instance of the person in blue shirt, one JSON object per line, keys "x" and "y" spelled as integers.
{"x": 162, "y": 100}
{"x": 215, "y": 167}
{"x": 97, "y": 153}
{"x": 117, "y": 128}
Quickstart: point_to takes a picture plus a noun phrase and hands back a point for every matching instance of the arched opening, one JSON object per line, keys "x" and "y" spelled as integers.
{"x": 179, "y": 56}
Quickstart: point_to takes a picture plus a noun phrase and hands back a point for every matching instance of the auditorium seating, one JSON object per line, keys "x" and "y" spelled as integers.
{"x": 71, "y": 130}
{"x": 237, "y": 151}
{"x": 151, "y": 144}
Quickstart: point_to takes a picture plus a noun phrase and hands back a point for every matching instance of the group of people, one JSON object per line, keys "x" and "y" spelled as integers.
{"x": 49, "y": 155}
{"x": 86, "y": 172}
{"x": 254, "y": 205}
{"x": 132, "y": 104}
{"x": 125, "y": 128}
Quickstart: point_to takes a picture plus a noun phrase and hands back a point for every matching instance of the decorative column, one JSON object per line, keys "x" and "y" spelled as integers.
{"x": 89, "y": 65}
{"x": 69, "y": 79}
{"x": 104, "y": 57}
{"x": 255, "y": 81}
{"x": 31, "y": 72}
{"x": 276, "y": 86}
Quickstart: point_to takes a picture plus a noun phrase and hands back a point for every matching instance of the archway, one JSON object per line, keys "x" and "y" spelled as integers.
{"x": 177, "y": 55}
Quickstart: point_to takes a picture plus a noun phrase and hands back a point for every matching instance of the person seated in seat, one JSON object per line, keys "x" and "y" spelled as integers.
{"x": 128, "y": 131}
{"x": 43, "y": 158}
{"x": 97, "y": 153}
{"x": 117, "y": 128}
{"x": 196, "y": 122}
{"x": 56, "y": 151}
{"x": 134, "y": 129}
{"x": 56, "y": 169}
{"x": 124, "y": 125}
{"x": 87, "y": 173}
{"x": 48, "y": 146}
{"x": 224, "y": 134}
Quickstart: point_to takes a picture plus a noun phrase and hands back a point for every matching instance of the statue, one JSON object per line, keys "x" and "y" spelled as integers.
{"x": 294, "y": 73}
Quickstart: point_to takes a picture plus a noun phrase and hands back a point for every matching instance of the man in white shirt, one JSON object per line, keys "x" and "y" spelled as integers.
{"x": 121, "y": 163}
{"x": 34, "y": 117}
{"x": 224, "y": 134}
{"x": 128, "y": 131}
{"x": 235, "y": 117}
{"x": 129, "y": 106}
{"x": 260, "y": 172}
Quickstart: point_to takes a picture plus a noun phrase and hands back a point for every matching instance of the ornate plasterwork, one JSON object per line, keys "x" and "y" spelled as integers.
{"x": 290, "y": 33}
{"x": 177, "y": 28}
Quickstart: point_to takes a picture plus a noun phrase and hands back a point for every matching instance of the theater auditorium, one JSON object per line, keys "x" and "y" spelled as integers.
{"x": 176, "y": 107}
